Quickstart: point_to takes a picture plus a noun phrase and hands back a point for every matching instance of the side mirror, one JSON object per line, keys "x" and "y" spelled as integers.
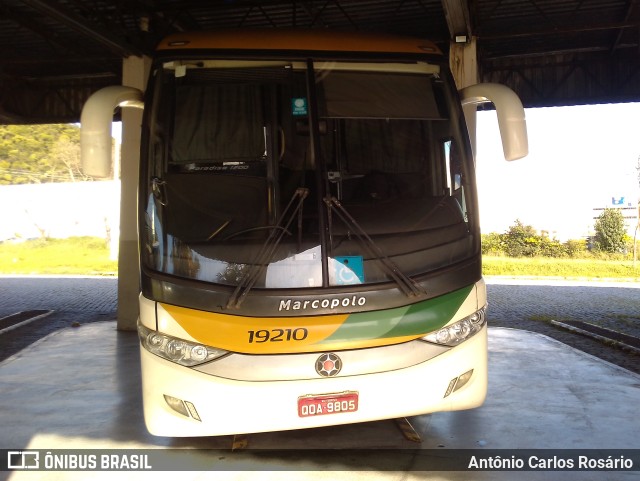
{"x": 95, "y": 126}
{"x": 511, "y": 118}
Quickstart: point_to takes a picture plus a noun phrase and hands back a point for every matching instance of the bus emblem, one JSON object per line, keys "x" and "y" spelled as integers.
{"x": 328, "y": 365}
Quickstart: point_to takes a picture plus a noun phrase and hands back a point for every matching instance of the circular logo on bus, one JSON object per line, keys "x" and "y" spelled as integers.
{"x": 328, "y": 365}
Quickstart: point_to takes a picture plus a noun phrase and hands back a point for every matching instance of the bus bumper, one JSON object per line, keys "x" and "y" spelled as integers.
{"x": 214, "y": 405}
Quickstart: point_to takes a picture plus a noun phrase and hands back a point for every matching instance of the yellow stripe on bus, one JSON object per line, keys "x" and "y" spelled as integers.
{"x": 255, "y": 335}
{"x": 270, "y": 335}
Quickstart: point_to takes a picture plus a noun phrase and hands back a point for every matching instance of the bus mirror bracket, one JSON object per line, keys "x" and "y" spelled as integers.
{"x": 511, "y": 117}
{"x": 95, "y": 126}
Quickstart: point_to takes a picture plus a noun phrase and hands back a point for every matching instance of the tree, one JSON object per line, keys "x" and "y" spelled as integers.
{"x": 33, "y": 154}
{"x": 66, "y": 153}
{"x": 610, "y": 232}
{"x": 521, "y": 240}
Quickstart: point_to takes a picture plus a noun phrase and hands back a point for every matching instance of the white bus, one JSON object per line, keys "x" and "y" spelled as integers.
{"x": 309, "y": 234}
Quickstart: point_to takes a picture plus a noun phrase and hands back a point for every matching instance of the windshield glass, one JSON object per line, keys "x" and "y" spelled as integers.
{"x": 255, "y": 180}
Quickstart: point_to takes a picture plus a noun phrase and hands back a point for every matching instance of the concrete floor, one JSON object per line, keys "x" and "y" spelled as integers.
{"x": 79, "y": 389}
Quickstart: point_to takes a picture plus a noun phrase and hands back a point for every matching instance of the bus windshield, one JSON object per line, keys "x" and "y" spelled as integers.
{"x": 305, "y": 174}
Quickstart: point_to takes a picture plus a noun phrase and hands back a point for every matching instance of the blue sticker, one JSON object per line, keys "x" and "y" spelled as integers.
{"x": 349, "y": 270}
{"x": 299, "y": 106}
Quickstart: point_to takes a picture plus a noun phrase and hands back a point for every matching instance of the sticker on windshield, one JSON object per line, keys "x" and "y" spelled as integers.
{"x": 349, "y": 270}
{"x": 299, "y": 106}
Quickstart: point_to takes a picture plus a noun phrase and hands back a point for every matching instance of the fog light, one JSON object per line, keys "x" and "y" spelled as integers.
{"x": 185, "y": 408}
{"x": 177, "y": 405}
{"x": 452, "y": 384}
{"x": 458, "y": 382}
{"x": 192, "y": 411}
{"x": 463, "y": 379}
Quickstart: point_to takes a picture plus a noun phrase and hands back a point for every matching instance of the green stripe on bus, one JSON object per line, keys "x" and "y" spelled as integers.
{"x": 413, "y": 320}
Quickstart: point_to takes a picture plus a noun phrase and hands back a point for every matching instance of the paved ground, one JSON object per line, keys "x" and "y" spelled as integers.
{"x": 96, "y": 404}
{"x": 519, "y": 304}
{"x": 82, "y": 411}
{"x": 74, "y": 300}
{"x": 530, "y": 305}
{"x": 66, "y": 294}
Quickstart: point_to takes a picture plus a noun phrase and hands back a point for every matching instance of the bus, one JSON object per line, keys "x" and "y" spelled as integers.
{"x": 308, "y": 229}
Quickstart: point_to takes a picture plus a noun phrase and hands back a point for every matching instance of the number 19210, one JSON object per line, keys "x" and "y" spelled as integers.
{"x": 278, "y": 335}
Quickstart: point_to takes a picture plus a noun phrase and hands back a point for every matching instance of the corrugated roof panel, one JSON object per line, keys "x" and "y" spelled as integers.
{"x": 67, "y": 39}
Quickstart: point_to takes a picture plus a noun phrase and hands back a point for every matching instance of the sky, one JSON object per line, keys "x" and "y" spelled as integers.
{"x": 579, "y": 159}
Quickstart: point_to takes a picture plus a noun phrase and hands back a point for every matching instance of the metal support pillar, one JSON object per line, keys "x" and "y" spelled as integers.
{"x": 135, "y": 71}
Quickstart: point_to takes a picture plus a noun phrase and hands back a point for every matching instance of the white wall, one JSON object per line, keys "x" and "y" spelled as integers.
{"x": 60, "y": 209}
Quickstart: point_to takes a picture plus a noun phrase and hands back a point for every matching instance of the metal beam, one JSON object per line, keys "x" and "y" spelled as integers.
{"x": 55, "y": 100}
{"x": 582, "y": 28}
{"x": 38, "y": 28}
{"x": 554, "y": 53}
{"x": 569, "y": 79}
{"x": 83, "y": 26}
{"x": 630, "y": 11}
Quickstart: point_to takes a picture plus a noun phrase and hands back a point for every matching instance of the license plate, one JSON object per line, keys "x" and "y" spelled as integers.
{"x": 318, "y": 405}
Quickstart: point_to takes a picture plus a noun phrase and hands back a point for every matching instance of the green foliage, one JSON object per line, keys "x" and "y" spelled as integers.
{"x": 34, "y": 154}
{"x": 610, "y": 232}
{"x": 592, "y": 268}
{"x": 523, "y": 241}
{"x": 576, "y": 248}
{"x": 75, "y": 255}
{"x": 493, "y": 244}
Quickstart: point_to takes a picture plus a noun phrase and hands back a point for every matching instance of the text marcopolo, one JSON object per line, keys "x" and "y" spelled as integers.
{"x": 298, "y": 305}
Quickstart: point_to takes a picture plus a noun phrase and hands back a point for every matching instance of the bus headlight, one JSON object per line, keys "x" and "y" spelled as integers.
{"x": 185, "y": 353}
{"x": 460, "y": 331}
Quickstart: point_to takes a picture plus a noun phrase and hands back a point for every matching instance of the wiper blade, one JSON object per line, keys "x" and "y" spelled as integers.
{"x": 159, "y": 190}
{"x": 406, "y": 284}
{"x": 265, "y": 254}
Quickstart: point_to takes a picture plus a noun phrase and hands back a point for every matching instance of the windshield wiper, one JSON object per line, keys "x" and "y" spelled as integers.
{"x": 406, "y": 284}
{"x": 159, "y": 190}
{"x": 268, "y": 249}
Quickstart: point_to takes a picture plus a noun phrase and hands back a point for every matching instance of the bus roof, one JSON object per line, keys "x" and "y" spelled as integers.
{"x": 298, "y": 40}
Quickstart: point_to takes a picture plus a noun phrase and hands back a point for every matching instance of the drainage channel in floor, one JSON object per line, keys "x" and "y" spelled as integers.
{"x": 602, "y": 334}
{"x": 21, "y": 318}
